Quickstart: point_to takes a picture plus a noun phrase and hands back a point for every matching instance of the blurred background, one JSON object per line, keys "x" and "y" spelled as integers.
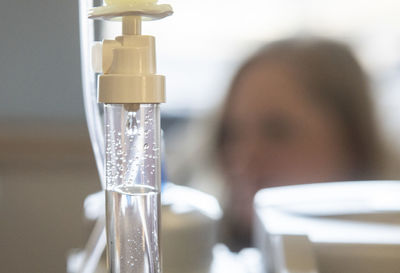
{"x": 46, "y": 163}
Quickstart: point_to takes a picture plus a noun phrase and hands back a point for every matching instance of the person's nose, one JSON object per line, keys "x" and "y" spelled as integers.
{"x": 251, "y": 158}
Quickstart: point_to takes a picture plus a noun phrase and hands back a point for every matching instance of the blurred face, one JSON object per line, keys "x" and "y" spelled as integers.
{"x": 276, "y": 135}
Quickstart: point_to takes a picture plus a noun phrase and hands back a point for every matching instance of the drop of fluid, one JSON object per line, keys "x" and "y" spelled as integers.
{"x": 131, "y": 124}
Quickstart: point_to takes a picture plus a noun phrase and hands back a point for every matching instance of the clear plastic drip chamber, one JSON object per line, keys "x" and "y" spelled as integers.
{"x": 132, "y": 145}
{"x": 131, "y": 91}
{"x": 133, "y": 182}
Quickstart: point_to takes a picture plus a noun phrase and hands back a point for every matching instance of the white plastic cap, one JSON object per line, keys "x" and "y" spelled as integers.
{"x": 128, "y": 65}
{"x": 128, "y": 62}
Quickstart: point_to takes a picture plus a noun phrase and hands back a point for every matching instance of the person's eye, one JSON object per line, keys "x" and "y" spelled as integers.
{"x": 278, "y": 129}
{"x": 230, "y": 133}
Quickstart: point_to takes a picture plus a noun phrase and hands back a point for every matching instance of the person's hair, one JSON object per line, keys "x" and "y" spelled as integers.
{"x": 335, "y": 81}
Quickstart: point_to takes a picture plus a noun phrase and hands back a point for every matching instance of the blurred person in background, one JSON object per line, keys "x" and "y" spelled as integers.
{"x": 298, "y": 111}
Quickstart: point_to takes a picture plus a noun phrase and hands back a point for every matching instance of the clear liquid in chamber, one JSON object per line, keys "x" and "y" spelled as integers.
{"x": 132, "y": 229}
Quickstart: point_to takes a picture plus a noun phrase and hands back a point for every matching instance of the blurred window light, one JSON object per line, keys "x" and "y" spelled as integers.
{"x": 201, "y": 45}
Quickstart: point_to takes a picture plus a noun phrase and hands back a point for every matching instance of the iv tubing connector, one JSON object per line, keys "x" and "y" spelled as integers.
{"x": 131, "y": 25}
{"x": 129, "y": 67}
